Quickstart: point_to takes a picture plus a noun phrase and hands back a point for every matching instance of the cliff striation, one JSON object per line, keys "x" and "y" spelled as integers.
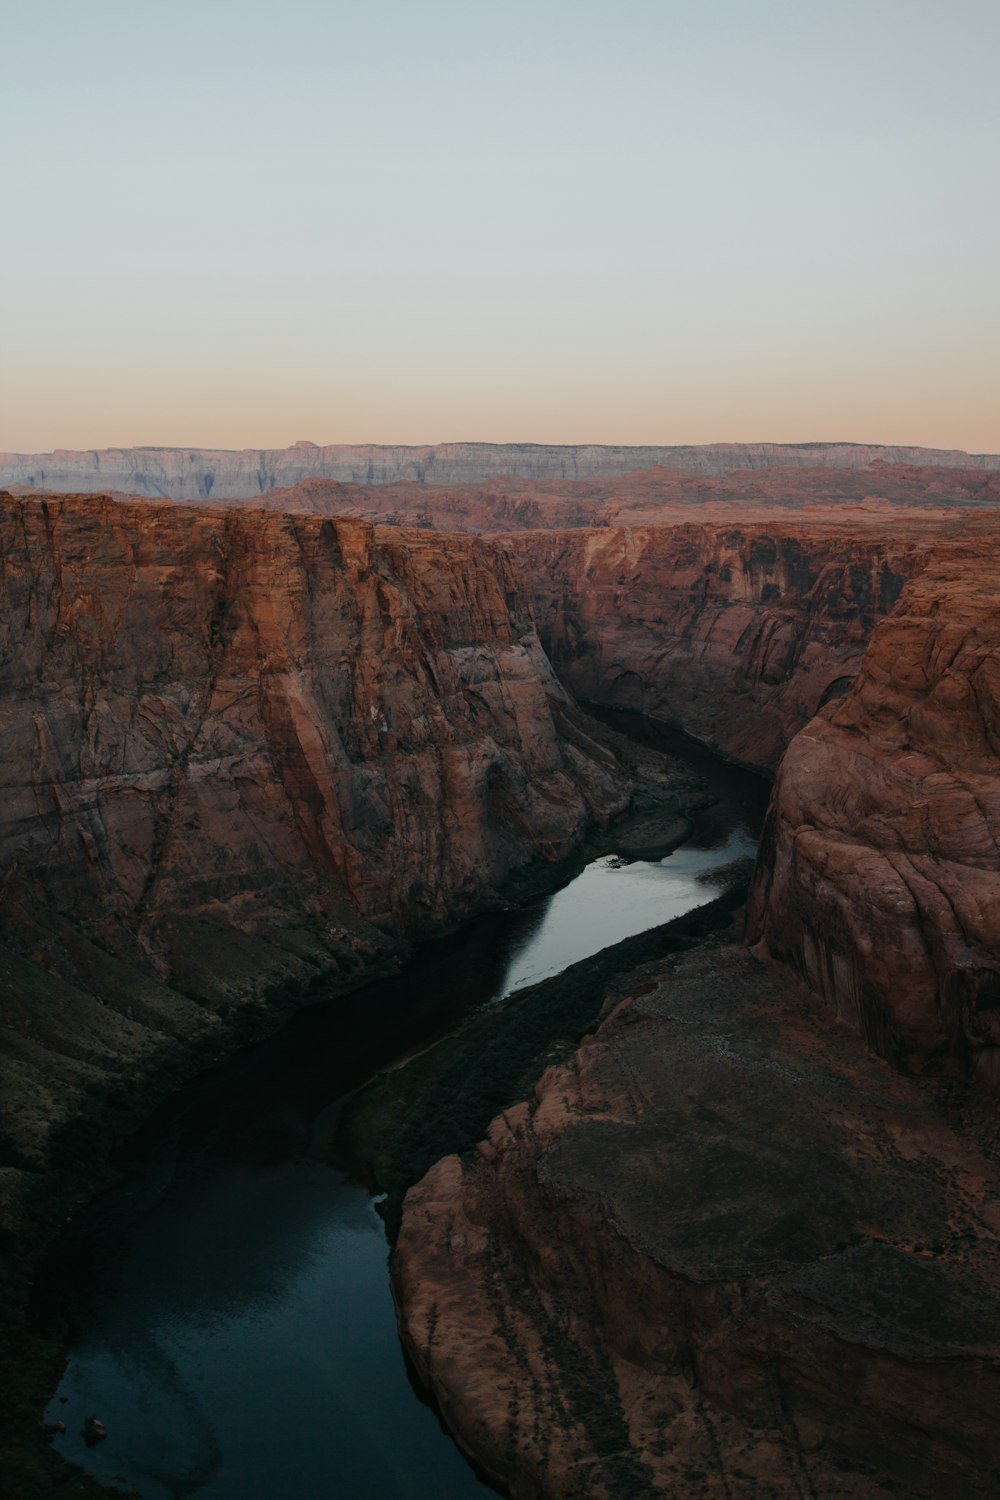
{"x": 879, "y": 873}
{"x": 201, "y": 474}
{"x": 242, "y": 754}
{"x": 725, "y": 1250}
{"x": 736, "y": 633}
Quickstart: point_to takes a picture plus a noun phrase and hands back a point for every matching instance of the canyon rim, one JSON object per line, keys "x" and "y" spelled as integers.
{"x": 743, "y": 1238}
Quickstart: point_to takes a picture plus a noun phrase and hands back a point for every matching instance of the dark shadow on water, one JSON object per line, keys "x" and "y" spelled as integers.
{"x": 236, "y": 1331}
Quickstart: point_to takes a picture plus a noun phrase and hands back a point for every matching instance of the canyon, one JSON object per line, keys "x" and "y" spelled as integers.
{"x": 879, "y": 881}
{"x": 720, "y": 1251}
{"x": 245, "y": 756}
{"x": 250, "y": 751}
{"x": 638, "y": 1285}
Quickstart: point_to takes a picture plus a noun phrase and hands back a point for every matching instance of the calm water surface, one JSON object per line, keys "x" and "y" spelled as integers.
{"x": 240, "y": 1340}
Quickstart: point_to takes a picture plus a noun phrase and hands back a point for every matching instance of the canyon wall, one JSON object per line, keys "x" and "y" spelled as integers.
{"x": 879, "y": 872}
{"x": 735, "y": 633}
{"x": 719, "y": 1252}
{"x": 219, "y": 474}
{"x": 242, "y": 751}
{"x": 725, "y": 1250}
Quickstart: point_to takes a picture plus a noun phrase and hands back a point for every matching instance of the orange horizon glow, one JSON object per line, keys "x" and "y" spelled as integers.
{"x": 654, "y": 225}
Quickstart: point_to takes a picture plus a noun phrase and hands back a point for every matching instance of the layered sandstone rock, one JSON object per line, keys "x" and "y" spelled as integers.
{"x": 725, "y": 1251}
{"x": 217, "y": 474}
{"x": 242, "y": 751}
{"x": 735, "y": 633}
{"x": 722, "y": 1252}
{"x": 879, "y": 874}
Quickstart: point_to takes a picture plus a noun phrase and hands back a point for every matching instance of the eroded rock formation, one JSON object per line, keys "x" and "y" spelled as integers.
{"x": 245, "y": 751}
{"x": 727, "y": 1251}
{"x": 879, "y": 875}
{"x": 722, "y": 1252}
{"x": 736, "y": 633}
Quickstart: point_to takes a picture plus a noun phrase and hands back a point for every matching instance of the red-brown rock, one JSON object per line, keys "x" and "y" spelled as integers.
{"x": 737, "y": 633}
{"x": 722, "y": 1252}
{"x": 263, "y": 718}
{"x": 879, "y": 876}
{"x": 241, "y": 754}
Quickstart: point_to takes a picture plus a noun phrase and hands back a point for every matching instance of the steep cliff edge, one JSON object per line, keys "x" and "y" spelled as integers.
{"x": 721, "y": 1252}
{"x": 735, "y": 633}
{"x": 725, "y": 1250}
{"x": 242, "y": 754}
{"x": 879, "y": 873}
{"x": 202, "y": 474}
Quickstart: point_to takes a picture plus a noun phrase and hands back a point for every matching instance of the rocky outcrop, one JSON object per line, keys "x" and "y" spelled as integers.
{"x": 201, "y": 474}
{"x": 737, "y": 634}
{"x": 245, "y": 751}
{"x": 879, "y": 874}
{"x": 721, "y": 1252}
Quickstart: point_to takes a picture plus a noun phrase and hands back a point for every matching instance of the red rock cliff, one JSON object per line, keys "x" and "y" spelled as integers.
{"x": 722, "y": 1252}
{"x": 879, "y": 873}
{"x": 241, "y": 754}
{"x": 268, "y": 719}
{"x": 736, "y": 633}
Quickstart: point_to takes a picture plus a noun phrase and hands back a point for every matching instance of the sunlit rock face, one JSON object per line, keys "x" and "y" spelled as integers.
{"x": 202, "y": 474}
{"x": 879, "y": 875}
{"x": 735, "y": 633}
{"x": 265, "y": 718}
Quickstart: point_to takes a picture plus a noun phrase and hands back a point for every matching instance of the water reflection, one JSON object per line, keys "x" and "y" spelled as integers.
{"x": 611, "y": 900}
{"x": 246, "y": 1346}
{"x": 242, "y": 1343}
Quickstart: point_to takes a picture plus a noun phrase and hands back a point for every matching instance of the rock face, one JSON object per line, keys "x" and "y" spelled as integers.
{"x": 879, "y": 875}
{"x": 726, "y": 1251}
{"x": 217, "y": 474}
{"x": 258, "y": 716}
{"x": 736, "y": 633}
{"x": 722, "y": 1252}
{"x": 239, "y": 747}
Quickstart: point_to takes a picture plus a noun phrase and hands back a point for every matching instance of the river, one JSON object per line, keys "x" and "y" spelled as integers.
{"x": 236, "y": 1330}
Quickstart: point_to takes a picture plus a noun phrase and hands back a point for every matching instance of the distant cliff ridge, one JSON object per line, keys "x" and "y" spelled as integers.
{"x": 219, "y": 474}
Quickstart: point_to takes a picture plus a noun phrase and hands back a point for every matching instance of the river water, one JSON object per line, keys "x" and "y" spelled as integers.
{"x": 237, "y": 1334}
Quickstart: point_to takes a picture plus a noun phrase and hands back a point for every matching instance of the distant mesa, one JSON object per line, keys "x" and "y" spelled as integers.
{"x": 194, "y": 474}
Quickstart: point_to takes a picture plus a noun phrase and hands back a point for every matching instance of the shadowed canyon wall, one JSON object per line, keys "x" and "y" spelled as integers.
{"x": 217, "y": 474}
{"x": 720, "y": 1252}
{"x": 879, "y": 873}
{"x": 737, "y": 634}
{"x": 244, "y": 750}
{"x": 724, "y": 1250}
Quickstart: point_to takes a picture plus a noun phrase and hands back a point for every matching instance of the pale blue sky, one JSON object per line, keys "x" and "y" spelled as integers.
{"x": 242, "y": 224}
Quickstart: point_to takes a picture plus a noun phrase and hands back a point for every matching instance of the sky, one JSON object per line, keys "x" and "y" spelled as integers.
{"x": 239, "y": 223}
